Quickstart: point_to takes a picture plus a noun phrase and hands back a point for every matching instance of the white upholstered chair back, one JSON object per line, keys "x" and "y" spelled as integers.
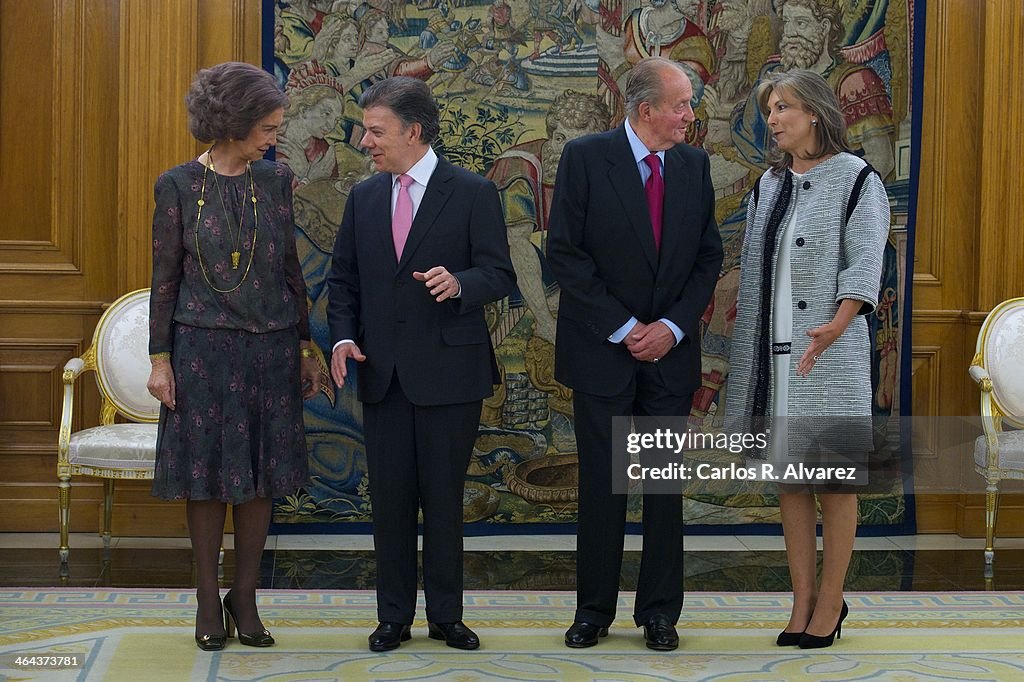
{"x": 121, "y": 342}
{"x": 1001, "y": 353}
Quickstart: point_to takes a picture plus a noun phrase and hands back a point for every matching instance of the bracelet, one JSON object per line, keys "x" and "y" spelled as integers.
{"x": 166, "y": 355}
{"x": 307, "y": 353}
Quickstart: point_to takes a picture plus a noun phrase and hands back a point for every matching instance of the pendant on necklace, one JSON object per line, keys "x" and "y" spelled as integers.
{"x": 235, "y": 257}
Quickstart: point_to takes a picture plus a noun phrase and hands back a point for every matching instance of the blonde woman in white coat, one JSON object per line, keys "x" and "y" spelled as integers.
{"x": 811, "y": 266}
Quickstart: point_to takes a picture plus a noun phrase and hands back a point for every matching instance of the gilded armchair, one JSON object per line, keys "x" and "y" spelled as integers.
{"x": 998, "y": 369}
{"x": 119, "y": 355}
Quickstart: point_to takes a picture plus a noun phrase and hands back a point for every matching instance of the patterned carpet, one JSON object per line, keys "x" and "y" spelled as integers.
{"x": 147, "y": 635}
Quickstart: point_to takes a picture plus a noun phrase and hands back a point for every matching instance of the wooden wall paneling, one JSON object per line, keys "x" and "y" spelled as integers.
{"x": 933, "y": 505}
{"x": 30, "y": 381}
{"x": 947, "y": 209}
{"x": 58, "y": 224}
{"x": 58, "y": 191}
{"x": 94, "y": 124}
{"x": 30, "y": 399}
{"x": 229, "y": 30}
{"x": 926, "y": 365}
{"x": 946, "y": 251}
{"x": 1001, "y": 274}
{"x": 67, "y": 140}
{"x": 970, "y": 514}
{"x": 939, "y": 379}
{"x": 27, "y": 242}
{"x": 158, "y": 56}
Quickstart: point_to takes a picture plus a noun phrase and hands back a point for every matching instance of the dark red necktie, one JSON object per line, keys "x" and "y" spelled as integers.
{"x": 654, "y": 188}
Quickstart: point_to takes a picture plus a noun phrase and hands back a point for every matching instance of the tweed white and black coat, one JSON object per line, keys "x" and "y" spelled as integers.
{"x": 832, "y": 259}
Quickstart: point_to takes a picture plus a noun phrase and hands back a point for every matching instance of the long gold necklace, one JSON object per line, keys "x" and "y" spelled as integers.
{"x": 235, "y": 253}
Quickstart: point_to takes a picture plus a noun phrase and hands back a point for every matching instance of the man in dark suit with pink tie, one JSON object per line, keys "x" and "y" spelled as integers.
{"x": 421, "y": 250}
{"x": 635, "y": 247}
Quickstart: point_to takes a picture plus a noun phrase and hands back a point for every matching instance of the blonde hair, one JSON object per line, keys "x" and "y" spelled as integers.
{"x": 815, "y": 96}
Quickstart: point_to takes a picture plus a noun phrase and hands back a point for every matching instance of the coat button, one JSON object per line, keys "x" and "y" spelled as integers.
{"x": 799, "y": 241}
{"x": 802, "y": 305}
{"x": 807, "y": 184}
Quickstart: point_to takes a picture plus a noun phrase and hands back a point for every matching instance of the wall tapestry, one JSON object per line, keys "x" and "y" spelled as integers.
{"x": 516, "y": 80}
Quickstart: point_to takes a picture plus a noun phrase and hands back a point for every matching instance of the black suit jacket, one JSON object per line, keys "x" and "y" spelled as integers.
{"x": 441, "y": 351}
{"x": 601, "y": 249}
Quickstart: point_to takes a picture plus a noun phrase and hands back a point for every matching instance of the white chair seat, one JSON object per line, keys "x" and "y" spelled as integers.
{"x": 1011, "y": 450}
{"x": 117, "y": 446}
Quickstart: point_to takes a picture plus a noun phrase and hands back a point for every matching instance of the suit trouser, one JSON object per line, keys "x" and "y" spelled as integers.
{"x": 417, "y": 456}
{"x": 602, "y": 514}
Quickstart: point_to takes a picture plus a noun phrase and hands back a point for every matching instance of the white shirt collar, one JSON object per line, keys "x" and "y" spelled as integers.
{"x": 640, "y": 150}
{"x": 421, "y": 170}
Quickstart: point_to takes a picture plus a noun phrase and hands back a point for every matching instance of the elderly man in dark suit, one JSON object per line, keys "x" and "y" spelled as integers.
{"x": 421, "y": 250}
{"x": 636, "y": 250}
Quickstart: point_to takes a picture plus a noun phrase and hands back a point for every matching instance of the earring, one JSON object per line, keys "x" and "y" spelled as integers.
{"x": 814, "y": 122}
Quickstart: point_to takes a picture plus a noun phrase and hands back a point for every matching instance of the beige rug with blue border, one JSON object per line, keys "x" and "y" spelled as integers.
{"x": 137, "y": 634}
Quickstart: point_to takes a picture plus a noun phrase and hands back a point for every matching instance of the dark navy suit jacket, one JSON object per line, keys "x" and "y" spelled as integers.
{"x": 601, "y": 249}
{"x": 441, "y": 352}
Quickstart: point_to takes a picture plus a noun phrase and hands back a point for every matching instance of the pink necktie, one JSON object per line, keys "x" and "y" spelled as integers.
{"x": 401, "y": 221}
{"x": 654, "y": 188}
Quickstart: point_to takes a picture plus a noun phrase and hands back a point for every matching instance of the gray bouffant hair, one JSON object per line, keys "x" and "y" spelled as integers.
{"x": 812, "y": 93}
{"x": 226, "y": 101}
{"x": 410, "y": 99}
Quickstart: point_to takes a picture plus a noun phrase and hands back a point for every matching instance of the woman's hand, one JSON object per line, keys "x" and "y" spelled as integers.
{"x": 822, "y": 337}
{"x": 161, "y": 382}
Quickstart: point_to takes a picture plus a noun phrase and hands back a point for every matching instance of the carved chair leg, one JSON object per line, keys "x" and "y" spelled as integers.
{"x": 991, "y": 515}
{"x": 108, "y": 511}
{"x": 64, "y": 514}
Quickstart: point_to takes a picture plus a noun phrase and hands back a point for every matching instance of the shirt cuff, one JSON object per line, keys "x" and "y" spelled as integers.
{"x": 676, "y": 331}
{"x": 341, "y": 342}
{"x": 621, "y": 332}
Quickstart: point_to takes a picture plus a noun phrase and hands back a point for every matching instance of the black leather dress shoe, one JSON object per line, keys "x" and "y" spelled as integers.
{"x": 581, "y": 634}
{"x": 660, "y": 634}
{"x": 455, "y": 635}
{"x": 389, "y": 636}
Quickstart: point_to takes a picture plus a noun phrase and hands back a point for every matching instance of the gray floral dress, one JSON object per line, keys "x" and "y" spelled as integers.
{"x": 236, "y": 431}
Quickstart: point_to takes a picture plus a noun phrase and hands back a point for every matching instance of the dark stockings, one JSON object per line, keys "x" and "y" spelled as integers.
{"x": 206, "y": 528}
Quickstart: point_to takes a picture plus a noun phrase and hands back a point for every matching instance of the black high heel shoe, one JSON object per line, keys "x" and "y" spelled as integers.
{"x": 788, "y": 638}
{"x": 808, "y": 641}
{"x": 210, "y": 642}
{"x": 261, "y": 638}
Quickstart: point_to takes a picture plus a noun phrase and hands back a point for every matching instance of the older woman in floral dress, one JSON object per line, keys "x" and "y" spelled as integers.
{"x": 229, "y": 339}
